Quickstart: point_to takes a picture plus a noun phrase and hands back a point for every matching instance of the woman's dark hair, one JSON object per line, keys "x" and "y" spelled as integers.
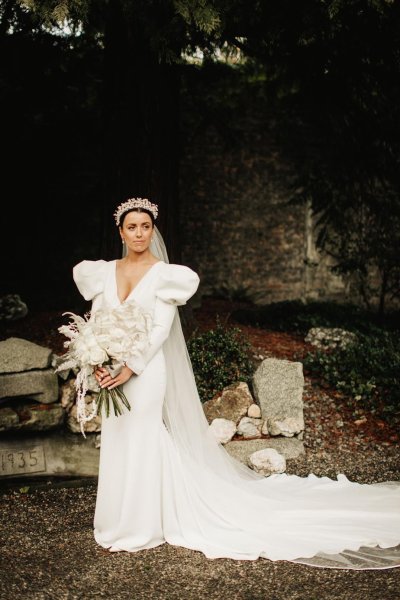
{"x": 139, "y": 210}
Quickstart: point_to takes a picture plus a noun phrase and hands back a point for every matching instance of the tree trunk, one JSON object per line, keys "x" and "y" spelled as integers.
{"x": 141, "y": 154}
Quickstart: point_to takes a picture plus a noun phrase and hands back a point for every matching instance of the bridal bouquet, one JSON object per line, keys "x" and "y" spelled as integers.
{"x": 108, "y": 337}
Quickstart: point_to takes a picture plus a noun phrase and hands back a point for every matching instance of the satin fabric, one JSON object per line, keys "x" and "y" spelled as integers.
{"x": 150, "y": 491}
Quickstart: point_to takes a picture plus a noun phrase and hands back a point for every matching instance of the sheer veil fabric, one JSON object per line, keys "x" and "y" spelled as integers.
{"x": 311, "y": 520}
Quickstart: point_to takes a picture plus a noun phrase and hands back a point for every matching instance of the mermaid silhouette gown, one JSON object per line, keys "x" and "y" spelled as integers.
{"x": 149, "y": 493}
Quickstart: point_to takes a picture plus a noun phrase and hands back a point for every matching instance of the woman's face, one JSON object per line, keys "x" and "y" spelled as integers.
{"x": 136, "y": 231}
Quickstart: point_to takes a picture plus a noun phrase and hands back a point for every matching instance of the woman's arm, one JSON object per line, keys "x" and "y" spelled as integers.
{"x": 164, "y": 314}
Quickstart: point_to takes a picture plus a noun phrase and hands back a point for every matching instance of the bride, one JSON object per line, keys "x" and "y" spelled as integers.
{"x": 162, "y": 475}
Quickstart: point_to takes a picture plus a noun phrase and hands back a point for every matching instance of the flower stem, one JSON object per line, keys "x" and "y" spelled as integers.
{"x": 115, "y": 395}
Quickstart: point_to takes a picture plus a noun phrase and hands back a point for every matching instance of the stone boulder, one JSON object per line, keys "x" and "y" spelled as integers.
{"x": 287, "y": 427}
{"x": 223, "y": 430}
{"x": 254, "y": 411}
{"x": 31, "y": 416}
{"x": 249, "y": 427}
{"x": 12, "y": 308}
{"x": 68, "y": 394}
{"x": 232, "y": 404}
{"x": 26, "y": 371}
{"x": 92, "y": 426}
{"x": 38, "y": 385}
{"x": 278, "y": 387}
{"x": 330, "y": 337}
{"x": 8, "y": 418}
{"x": 18, "y": 355}
{"x": 267, "y": 461}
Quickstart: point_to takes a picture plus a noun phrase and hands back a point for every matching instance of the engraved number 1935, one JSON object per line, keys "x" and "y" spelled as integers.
{"x": 29, "y": 460}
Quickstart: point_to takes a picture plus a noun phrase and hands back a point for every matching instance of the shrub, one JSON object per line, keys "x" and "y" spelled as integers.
{"x": 220, "y": 356}
{"x": 367, "y": 370}
{"x": 297, "y": 316}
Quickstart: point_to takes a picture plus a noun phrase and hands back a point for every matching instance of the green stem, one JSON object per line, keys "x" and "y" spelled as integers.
{"x": 103, "y": 399}
{"x": 117, "y": 408}
{"x": 107, "y": 399}
{"x": 100, "y": 399}
{"x": 123, "y": 398}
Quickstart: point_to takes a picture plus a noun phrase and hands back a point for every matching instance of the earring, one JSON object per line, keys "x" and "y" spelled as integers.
{"x": 123, "y": 241}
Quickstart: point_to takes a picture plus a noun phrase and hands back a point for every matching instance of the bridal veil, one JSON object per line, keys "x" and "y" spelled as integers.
{"x": 311, "y": 520}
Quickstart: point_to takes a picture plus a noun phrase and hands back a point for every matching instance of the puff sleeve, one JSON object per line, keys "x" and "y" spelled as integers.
{"x": 89, "y": 277}
{"x": 177, "y": 284}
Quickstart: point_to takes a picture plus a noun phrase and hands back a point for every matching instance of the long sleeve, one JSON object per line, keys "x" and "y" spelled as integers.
{"x": 163, "y": 318}
{"x": 177, "y": 284}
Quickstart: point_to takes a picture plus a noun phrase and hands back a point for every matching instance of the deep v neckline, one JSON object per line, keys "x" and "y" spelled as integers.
{"x": 136, "y": 286}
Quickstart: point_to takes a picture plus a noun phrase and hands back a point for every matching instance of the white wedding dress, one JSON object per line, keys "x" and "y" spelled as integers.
{"x": 158, "y": 482}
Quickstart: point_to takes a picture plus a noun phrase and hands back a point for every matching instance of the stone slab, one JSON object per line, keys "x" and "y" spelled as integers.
{"x": 39, "y": 385}
{"x": 18, "y": 355}
{"x": 65, "y": 454}
{"x": 28, "y": 460}
{"x": 288, "y": 447}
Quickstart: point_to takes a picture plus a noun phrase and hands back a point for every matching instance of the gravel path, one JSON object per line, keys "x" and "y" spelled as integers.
{"x": 48, "y": 551}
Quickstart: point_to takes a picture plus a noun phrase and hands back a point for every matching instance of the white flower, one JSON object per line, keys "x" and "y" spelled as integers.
{"x": 98, "y": 356}
{"x": 115, "y": 348}
{"x": 109, "y": 336}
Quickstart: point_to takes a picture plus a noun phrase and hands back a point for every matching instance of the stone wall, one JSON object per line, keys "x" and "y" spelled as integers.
{"x": 238, "y": 229}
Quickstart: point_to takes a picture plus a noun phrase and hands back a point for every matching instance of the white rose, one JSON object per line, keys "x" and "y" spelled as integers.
{"x": 79, "y": 346}
{"x": 104, "y": 320}
{"x": 92, "y": 344}
{"x": 84, "y": 358}
{"x": 119, "y": 333}
{"x": 97, "y": 356}
{"x": 114, "y": 348}
{"x": 86, "y": 332}
{"x": 103, "y": 340}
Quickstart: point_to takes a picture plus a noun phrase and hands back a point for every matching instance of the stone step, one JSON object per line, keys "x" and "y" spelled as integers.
{"x": 288, "y": 447}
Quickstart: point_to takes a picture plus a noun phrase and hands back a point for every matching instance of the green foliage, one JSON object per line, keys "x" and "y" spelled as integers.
{"x": 365, "y": 246}
{"x": 297, "y": 316}
{"x": 57, "y": 12}
{"x": 200, "y": 12}
{"x": 197, "y": 16}
{"x": 334, "y": 90}
{"x": 334, "y": 94}
{"x": 367, "y": 371}
{"x": 219, "y": 357}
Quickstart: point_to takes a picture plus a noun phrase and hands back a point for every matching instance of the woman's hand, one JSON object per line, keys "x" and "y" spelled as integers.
{"x": 106, "y": 381}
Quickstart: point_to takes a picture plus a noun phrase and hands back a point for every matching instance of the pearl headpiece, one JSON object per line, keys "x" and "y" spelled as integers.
{"x": 135, "y": 203}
